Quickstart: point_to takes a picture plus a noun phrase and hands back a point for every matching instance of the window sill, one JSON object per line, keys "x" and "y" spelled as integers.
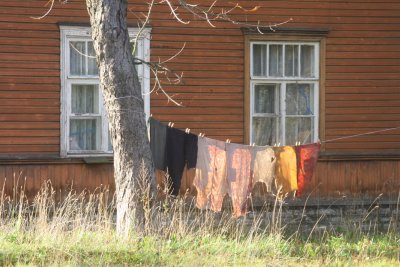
{"x": 95, "y": 158}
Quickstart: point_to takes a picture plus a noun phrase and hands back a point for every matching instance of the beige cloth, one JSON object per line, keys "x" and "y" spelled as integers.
{"x": 264, "y": 166}
{"x": 210, "y": 178}
{"x": 239, "y": 166}
{"x": 286, "y": 169}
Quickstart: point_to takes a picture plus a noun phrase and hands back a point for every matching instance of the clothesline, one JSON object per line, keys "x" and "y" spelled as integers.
{"x": 329, "y": 140}
{"x": 361, "y": 134}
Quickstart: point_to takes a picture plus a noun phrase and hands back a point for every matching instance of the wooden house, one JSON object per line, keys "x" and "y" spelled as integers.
{"x": 331, "y": 71}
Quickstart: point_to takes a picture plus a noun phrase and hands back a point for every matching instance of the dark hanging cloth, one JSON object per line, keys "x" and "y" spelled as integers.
{"x": 180, "y": 150}
{"x": 307, "y": 156}
{"x": 158, "y": 135}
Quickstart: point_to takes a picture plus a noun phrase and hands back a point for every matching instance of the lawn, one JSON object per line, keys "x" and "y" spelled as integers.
{"x": 80, "y": 231}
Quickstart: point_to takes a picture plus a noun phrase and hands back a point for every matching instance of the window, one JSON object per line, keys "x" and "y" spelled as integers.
{"x": 284, "y": 89}
{"x": 84, "y": 125}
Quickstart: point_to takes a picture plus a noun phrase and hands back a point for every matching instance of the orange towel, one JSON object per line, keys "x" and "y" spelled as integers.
{"x": 286, "y": 169}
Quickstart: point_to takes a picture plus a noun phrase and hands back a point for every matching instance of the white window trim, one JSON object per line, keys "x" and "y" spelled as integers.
{"x": 68, "y": 33}
{"x": 281, "y": 109}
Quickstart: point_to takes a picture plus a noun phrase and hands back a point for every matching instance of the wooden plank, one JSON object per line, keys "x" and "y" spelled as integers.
{"x": 13, "y": 149}
{"x": 210, "y": 103}
{"x": 193, "y": 111}
{"x": 361, "y": 117}
{"x": 29, "y": 72}
{"x": 362, "y": 61}
{"x": 31, "y": 141}
{"x": 29, "y": 125}
{"x": 5, "y": 183}
{"x": 362, "y": 146}
{"x": 29, "y": 118}
{"x": 28, "y": 94}
{"x": 359, "y": 103}
{"x": 363, "y": 90}
{"x": 28, "y": 110}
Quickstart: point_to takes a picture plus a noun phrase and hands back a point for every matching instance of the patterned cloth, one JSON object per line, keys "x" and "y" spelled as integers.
{"x": 210, "y": 178}
{"x": 239, "y": 176}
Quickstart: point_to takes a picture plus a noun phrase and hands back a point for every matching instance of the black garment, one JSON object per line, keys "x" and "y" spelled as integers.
{"x": 180, "y": 150}
{"x": 158, "y": 135}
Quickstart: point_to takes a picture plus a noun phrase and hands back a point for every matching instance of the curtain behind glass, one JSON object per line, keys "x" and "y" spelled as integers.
{"x": 84, "y": 99}
{"x": 259, "y": 60}
{"x": 300, "y": 129}
{"x": 307, "y": 61}
{"x": 291, "y": 60}
{"x": 264, "y": 98}
{"x": 77, "y": 58}
{"x": 82, "y": 59}
{"x": 83, "y": 134}
{"x": 299, "y": 99}
{"x": 265, "y": 131}
{"x": 92, "y": 64}
{"x": 275, "y": 60}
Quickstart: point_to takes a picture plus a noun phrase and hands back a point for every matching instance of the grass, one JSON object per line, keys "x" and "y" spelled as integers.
{"x": 80, "y": 231}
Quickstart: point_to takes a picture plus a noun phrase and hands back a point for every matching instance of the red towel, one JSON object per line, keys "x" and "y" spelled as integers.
{"x": 307, "y": 156}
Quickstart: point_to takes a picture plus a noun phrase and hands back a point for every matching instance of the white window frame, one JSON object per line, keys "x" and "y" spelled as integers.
{"x": 77, "y": 33}
{"x": 283, "y": 81}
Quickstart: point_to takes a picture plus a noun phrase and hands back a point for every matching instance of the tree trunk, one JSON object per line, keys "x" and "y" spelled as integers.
{"x": 125, "y": 108}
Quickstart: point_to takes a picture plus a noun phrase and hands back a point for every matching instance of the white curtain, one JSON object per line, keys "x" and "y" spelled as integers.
{"x": 84, "y": 134}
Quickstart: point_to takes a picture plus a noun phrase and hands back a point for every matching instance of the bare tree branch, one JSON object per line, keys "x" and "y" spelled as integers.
{"x": 48, "y": 11}
{"x": 212, "y": 14}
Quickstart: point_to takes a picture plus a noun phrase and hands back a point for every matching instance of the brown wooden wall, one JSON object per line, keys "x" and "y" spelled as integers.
{"x": 362, "y": 73}
{"x": 331, "y": 179}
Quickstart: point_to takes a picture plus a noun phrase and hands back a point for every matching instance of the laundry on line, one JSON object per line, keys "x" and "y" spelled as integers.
{"x": 223, "y": 168}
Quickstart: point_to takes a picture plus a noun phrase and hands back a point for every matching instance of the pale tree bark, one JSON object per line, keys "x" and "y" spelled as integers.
{"x": 123, "y": 101}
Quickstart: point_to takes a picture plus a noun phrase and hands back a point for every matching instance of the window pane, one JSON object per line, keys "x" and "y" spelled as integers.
{"x": 299, "y": 99}
{"x": 291, "y": 60}
{"x": 265, "y": 131}
{"x": 259, "y": 60}
{"x": 307, "y": 61}
{"x": 77, "y": 58}
{"x": 92, "y": 64}
{"x": 264, "y": 98}
{"x": 84, "y": 98}
{"x": 275, "y": 60}
{"x": 110, "y": 146}
{"x": 299, "y": 129}
{"x": 84, "y": 134}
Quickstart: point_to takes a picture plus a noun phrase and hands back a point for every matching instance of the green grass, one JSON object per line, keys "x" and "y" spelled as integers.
{"x": 79, "y": 231}
{"x": 99, "y": 248}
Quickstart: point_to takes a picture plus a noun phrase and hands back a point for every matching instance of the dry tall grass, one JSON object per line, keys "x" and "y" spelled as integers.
{"x": 81, "y": 226}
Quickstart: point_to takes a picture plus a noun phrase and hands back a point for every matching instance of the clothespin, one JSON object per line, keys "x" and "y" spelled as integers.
{"x": 200, "y": 135}
{"x": 151, "y": 115}
{"x": 203, "y": 135}
{"x": 274, "y": 145}
{"x": 187, "y": 130}
{"x": 172, "y": 125}
{"x": 228, "y": 140}
{"x": 279, "y": 144}
{"x": 169, "y": 124}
